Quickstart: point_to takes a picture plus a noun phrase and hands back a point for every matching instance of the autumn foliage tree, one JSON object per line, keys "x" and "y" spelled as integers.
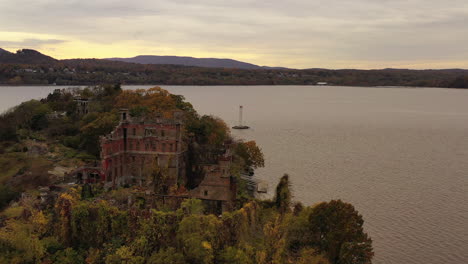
{"x": 283, "y": 194}
{"x": 79, "y": 230}
{"x": 93, "y": 126}
{"x": 153, "y": 100}
{"x": 208, "y": 130}
{"x": 251, "y": 154}
{"x": 337, "y": 229}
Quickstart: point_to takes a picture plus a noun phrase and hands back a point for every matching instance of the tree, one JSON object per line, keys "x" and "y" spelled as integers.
{"x": 159, "y": 176}
{"x": 337, "y": 230}
{"x": 154, "y": 99}
{"x": 39, "y": 119}
{"x": 103, "y": 124}
{"x": 6, "y": 195}
{"x": 156, "y": 232}
{"x": 19, "y": 240}
{"x": 198, "y": 235}
{"x": 275, "y": 242}
{"x": 299, "y": 235}
{"x": 29, "y": 115}
{"x": 68, "y": 256}
{"x": 233, "y": 255}
{"x": 167, "y": 256}
{"x": 63, "y": 207}
{"x": 309, "y": 256}
{"x": 251, "y": 154}
{"x": 8, "y": 127}
{"x": 182, "y": 105}
{"x": 192, "y": 206}
{"x": 124, "y": 255}
{"x": 209, "y": 130}
{"x": 92, "y": 224}
{"x": 283, "y": 194}
{"x": 86, "y": 191}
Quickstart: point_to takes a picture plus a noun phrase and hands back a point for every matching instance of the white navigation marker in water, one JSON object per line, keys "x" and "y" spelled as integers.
{"x": 240, "y": 126}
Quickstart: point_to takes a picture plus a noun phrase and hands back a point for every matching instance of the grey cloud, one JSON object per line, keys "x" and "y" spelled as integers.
{"x": 278, "y": 31}
{"x": 29, "y": 43}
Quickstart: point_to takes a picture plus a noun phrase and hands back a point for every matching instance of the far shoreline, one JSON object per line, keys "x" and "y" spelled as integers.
{"x": 233, "y": 85}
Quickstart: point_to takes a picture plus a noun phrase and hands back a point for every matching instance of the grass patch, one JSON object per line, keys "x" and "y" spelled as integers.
{"x": 11, "y": 164}
{"x": 13, "y": 212}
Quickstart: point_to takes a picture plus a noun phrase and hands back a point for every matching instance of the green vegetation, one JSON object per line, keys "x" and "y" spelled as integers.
{"x": 88, "y": 224}
{"x": 38, "y": 135}
{"x": 77, "y": 230}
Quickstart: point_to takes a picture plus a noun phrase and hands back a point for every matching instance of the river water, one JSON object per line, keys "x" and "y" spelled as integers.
{"x": 399, "y": 155}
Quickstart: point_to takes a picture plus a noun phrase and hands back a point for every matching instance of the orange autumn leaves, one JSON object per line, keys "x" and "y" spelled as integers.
{"x": 251, "y": 154}
{"x": 152, "y": 100}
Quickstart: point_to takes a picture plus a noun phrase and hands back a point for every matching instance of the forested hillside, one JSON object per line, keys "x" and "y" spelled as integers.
{"x": 41, "y": 69}
{"x": 47, "y": 218}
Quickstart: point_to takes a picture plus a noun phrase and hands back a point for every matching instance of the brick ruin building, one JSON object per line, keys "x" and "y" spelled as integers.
{"x": 82, "y": 105}
{"x": 217, "y": 184}
{"x": 140, "y": 145}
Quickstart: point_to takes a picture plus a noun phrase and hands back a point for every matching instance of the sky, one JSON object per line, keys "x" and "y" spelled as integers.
{"x": 336, "y": 34}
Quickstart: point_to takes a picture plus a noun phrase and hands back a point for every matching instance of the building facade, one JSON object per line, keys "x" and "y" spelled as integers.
{"x": 82, "y": 105}
{"x": 152, "y": 151}
{"x": 139, "y": 146}
{"x": 218, "y": 185}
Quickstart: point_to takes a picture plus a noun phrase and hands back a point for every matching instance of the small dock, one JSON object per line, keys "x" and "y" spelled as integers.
{"x": 262, "y": 187}
{"x": 255, "y": 185}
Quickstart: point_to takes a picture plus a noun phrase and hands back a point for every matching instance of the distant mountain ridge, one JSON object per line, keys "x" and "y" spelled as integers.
{"x": 4, "y": 51}
{"x": 25, "y": 56}
{"x": 189, "y": 61}
{"x": 32, "y": 67}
